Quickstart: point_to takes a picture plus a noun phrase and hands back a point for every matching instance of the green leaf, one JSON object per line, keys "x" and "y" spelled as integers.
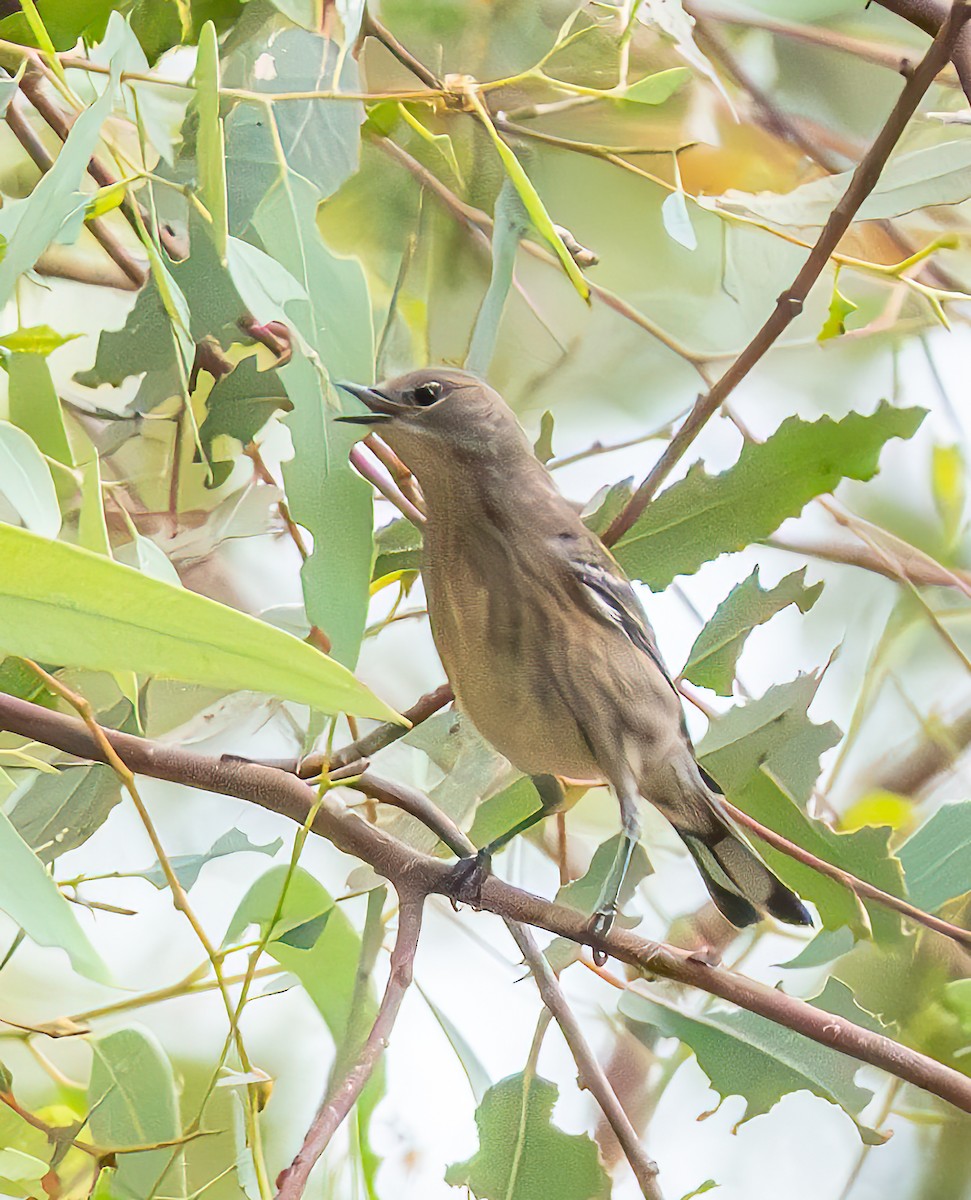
{"x": 65, "y": 605}
{"x": 543, "y": 446}
{"x": 65, "y": 22}
{"x": 656, "y": 88}
{"x": 441, "y": 141}
{"x": 472, "y": 772}
{"x": 531, "y": 201}
{"x": 703, "y": 516}
{"x": 133, "y": 1102}
{"x": 326, "y": 963}
{"x": 26, "y": 483}
{"x": 30, "y": 225}
{"x": 502, "y": 811}
{"x": 92, "y": 526}
{"x": 210, "y": 145}
{"x": 475, "y": 1072}
{"x": 511, "y": 224}
{"x": 586, "y": 893}
{"x": 765, "y": 756}
{"x": 59, "y": 812}
{"x": 708, "y": 1186}
{"x": 714, "y": 655}
{"x": 36, "y": 339}
{"x": 35, "y": 407}
{"x": 937, "y": 858}
{"x": 932, "y": 175}
{"x": 747, "y": 1055}
{"x": 29, "y": 896}
{"x": 398, "y": 548}
{"x": 827, "y": 946}
{"x": 840, "y": 307}
{"x": 272, "y": 203}
{"x": 188, "y": 866}
{"x": 21, "y": 1171}
{"x": 522, "y": 1155}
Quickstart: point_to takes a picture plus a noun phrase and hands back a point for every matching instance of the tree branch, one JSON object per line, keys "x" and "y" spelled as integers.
{"x": 592, "y": 1076}
{"x": 848, "y": 880}
{"x": 292, "y": 1181}
{"x": 412, "y": 872}
{"x": 931, "y": 15}
{"x": 790, "y": 303}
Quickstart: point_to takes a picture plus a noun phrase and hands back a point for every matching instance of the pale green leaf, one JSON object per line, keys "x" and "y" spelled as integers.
{"x": 712, "y": 658}
{"x": 62, "y": 604}
{"x": 931, "y": 175}
{"x": 187, "y": 867}
{"x": 656, "y": 88}
{"x": 703, "y": 516}
{"x": 26, "y": 483}
{"x": 29, "y": 896}
{"x": 133, "y": 1102}
{"x": 531, "y": 200}
{"x": 58, "y": 812}
{"x": 36, "y": 339}
{"x": 937, "y": 858}
{"x": 744, "y": 1054}
{"x": 35, "y": 407}
{"x": 522, "y": 1155}
{"x": 210, "y": 145}
{"x": 840, "y": 308}
{"x": 677, "y": 220}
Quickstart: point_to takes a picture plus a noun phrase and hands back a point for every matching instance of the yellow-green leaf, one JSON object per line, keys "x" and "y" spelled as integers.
{"x": 656, "y": 88}
{"x": 531, "y": 200}
{"x": 65, "y": 605}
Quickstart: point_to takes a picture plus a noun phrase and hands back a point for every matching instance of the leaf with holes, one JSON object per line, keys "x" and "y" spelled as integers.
{"x": 522, "y": 1155}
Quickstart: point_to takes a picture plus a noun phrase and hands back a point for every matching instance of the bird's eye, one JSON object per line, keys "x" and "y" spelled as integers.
{"x": 427, "y": 393}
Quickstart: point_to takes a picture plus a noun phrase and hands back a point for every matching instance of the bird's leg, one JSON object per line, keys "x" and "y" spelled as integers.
{"x": 603, "y": 918}
{"x": 470, "y": 873}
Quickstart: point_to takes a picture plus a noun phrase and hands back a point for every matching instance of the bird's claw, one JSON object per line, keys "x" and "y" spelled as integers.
{"x": 600, "y": 925}
{"x": 467, "y": 877}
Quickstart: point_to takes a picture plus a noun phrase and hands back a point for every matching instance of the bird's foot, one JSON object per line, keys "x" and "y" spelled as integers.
{"x": 467, "y": 877}
{"x": 600, "y": 925}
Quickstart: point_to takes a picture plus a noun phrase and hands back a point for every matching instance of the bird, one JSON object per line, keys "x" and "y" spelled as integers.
{"x": 546, "y": 645}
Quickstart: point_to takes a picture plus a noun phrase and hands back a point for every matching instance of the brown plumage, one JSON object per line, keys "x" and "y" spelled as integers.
{"x": 543, "y": 638}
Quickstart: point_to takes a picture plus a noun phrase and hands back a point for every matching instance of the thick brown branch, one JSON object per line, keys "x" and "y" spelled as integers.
{"x": 790, "y": 303}
{"x": 292, "y": 1181}
{"x": 412, "y": 872}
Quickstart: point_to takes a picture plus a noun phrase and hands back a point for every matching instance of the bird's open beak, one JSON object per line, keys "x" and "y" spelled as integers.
{"x": 382, "y": 408}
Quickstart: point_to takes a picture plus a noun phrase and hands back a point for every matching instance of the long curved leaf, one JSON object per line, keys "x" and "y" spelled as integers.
{"x": 65, "y": 605}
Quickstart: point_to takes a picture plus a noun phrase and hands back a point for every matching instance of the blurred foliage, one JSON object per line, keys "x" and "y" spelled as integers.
{"x": 596, "y": 206}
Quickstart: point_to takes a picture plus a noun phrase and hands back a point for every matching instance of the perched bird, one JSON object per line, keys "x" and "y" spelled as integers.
{"x": 543, "y": 639}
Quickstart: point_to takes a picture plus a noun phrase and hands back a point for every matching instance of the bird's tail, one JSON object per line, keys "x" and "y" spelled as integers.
{"x": 741, "y": 885}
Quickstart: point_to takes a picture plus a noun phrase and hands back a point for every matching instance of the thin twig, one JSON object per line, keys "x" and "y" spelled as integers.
{"x": 592, "y": 1077}
{"x": 292, "y": 1181}
{"x": 790, "y": 303}
{"x": 283, "y": 793}
{"x": 860, "y": 886}
{"x": 370, "y": 471}
{"x": 133, "y": 271}
{"x": 372, "y": 27}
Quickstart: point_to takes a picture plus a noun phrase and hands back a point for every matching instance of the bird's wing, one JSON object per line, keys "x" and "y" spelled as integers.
{"x": 610, "y": 596}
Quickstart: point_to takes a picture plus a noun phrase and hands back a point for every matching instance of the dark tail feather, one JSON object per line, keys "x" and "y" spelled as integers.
{"x": 741, "y": 885}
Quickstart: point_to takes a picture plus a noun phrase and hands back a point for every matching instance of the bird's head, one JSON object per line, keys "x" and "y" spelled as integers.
{"x": 437, "y": 414}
